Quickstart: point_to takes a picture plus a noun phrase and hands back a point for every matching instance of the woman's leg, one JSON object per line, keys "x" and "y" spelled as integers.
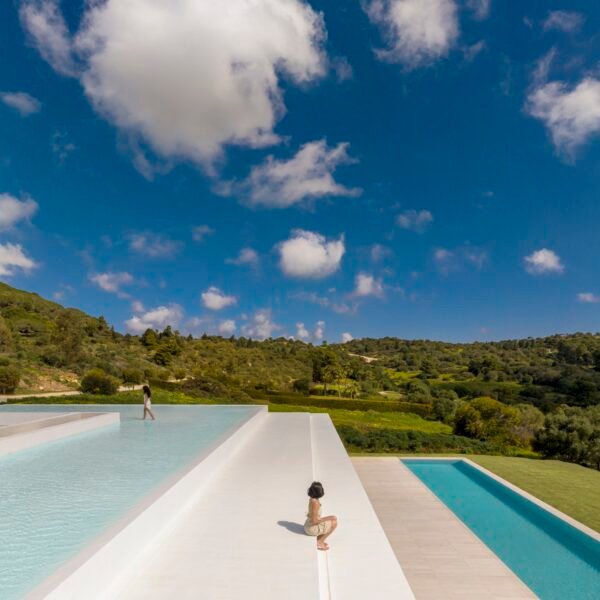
{"x": 321, "y": 538}
{"x": 151, "y": 414}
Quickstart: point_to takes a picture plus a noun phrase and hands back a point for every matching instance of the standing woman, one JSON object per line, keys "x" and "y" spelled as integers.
{"x": 148, "y": 403}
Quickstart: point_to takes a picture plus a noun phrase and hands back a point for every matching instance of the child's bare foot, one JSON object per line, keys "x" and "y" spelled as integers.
{"x": 322, "y": 546}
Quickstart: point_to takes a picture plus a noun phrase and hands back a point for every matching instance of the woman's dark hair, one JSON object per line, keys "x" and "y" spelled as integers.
{"x": 316, "y": 490}
{"x": 147, "y": 391}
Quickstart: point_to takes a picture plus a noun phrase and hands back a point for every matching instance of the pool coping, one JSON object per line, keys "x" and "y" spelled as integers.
{"x": 144, "y": 522}
{"x": 540, "y": 503}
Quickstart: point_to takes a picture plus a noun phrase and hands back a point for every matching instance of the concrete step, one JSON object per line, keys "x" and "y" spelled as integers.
{"x": 243, "y": 538}
{"x": 361, "y": 562}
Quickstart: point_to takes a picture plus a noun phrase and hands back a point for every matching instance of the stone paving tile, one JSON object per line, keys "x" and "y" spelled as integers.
{"x": 441, "y": 557}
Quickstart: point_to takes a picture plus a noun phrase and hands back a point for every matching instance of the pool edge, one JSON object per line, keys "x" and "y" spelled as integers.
{"x": 104, "y": 560}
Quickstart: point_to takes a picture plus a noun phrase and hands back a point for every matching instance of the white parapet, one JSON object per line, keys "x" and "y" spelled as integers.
{"x": 19, "y": 431}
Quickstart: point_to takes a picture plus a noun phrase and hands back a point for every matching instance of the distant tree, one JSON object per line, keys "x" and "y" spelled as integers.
{"x": 352, "y": 388}
{"x": 149, "y": 338}
{"x": 486, "y": 419}
{"x": 444, "y": 407}
{"x": 132, "y": 377}
{"x": 9, "y": 379}
{"x": 302, "y": 386}
{"x": 68, "y": 337}
{"x": 97, "y": 381}
{"x": 6, "y": 338}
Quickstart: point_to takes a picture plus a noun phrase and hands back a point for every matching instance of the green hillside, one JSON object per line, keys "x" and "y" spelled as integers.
{"x": 500, "y": 397}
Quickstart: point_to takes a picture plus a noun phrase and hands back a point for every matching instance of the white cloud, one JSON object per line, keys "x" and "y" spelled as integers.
{"x": 343, "y": 69}
{"x": 13, "y": 210}
{"x": 301, "y": 332}
{"x": 22, "y": 102}
{"x": 457, "y": 259}
{"x": 227, "y": 327}
{"x": 472, "y": 51}
{"x": 261, "y": 325}
{"x": 414, "y": 220}
{"x": 542, "y": 262}
{"x": 572, "y": 115}
{"x": 588, "y": 298}
{"x": 310, "y": 255}
{"x": 479, "y": 8}
{"x": 367, "y": 285}
{"x": 47, "y": 30}
{"x": 568, "y": 21}
{"x": 62, "y": 146}
{"x": 246, "y": 257}
{"x": 306, "y": 176}
{"x": 200, "y": 232}
{"x": 319, "y": 330}
{"x": 346, "y": 337}
{"x": 379, "y": 252}
{"x": 187, "y": 77}
{"x": 155, "y": 318}
{"x": 13, "y": 258}
{"x": 417, "y": 32}
{"x": 112, "y": 282}
{"x": 137, "y": 306}
{"x": 214, "y": 299}
{"x": 153, "y": 245}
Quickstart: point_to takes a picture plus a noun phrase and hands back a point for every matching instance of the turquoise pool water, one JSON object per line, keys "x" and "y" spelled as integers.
{"x": 54, "y": 499}
{"x": 556, "y": 560}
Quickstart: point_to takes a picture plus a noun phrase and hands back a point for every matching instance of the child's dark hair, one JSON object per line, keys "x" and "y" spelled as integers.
{"x": 147, "y": 391}
{"x": 316, "y": 490}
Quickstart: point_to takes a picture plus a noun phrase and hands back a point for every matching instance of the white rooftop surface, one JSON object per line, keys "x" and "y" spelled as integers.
{"x": 243, "y": 540}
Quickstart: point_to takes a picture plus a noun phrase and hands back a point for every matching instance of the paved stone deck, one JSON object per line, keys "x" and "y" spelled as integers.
{"x": 441, "y": 557}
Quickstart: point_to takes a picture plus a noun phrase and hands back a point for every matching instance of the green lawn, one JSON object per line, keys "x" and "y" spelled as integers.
{"x": 370, "y": 419}
{"x": 570, "y": 488}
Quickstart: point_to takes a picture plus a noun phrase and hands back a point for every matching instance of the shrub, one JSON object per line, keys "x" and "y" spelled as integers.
{"x": 132, "y": 377}
{"x": 393, "y": 440}
{"x": 9, "y": 379}
{"x": 302, "y": 386}
{"x": 97, "y": 381}
{"x": 487, "y": 419}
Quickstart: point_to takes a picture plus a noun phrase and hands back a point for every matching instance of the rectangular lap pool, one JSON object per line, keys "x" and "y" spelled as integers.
{"x": 56, "y": 498}
{"x": 555, "y": 559}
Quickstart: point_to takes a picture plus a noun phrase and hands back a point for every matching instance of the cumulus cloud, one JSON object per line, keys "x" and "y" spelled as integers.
{"x": 188, "y": 77}
{"x": 417, "y": 32}
{"x": 342, "y": 68}
{"x": 479, "y": 8}
{"x": 47, "y": 31}
{"x": 137, "y": 306}
{"x": 542, "y": 262}
{"x": 214, "y": 299}
{"x": 200, "y": 232}
{"x": 301, "y": 332}
{"x": 457, "y": 259}
{"x": 367, "y": 285}
{"x": 155, "y": 318}
{"x": 13, "y": 210}
{"x": 414, "y": 220}
{"x": 261, "y": 325}
{"x": 306, "y": 176}
{"x": 588, "y": 298}
{"x": 153, "y": 245}
{"x": 346, "y": 337}
{"x": 227, "y": 327}
{"x": 379, "y": 252}
{"x": 13, "y": 259}
{"x": 319, "y": 330}
{"x": 310, "y": 255}
{"x": 571, "y": 114}
{"x": 22, "y": 102}
{"x": 248, "y": 257}
{"x": 112, "y": 282}
{"x": 568, "y": 21}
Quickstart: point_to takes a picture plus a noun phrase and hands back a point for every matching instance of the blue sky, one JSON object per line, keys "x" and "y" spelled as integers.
{"x": 421, "y": 169}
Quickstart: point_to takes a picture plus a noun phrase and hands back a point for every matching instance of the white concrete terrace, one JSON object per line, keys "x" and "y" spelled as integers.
{"x": 232, "y": 529}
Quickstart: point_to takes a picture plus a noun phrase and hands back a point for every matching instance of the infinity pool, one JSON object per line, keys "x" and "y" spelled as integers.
{"x": 56, "y": 498}
{"x": 556, "y": 560}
